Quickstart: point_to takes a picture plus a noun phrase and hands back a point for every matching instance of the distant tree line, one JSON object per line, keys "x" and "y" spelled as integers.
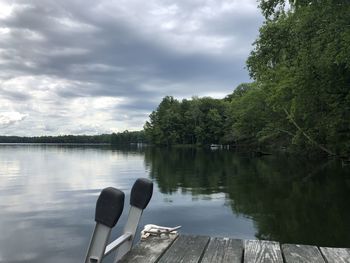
{"x": 125, "y": 137}
{"x": 300, "y": 96}
{"x": 128, "y": 137}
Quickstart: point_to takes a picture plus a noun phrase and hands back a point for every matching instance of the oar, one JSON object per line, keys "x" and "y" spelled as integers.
{"x": 141, "y": 194}
{"x": 109, "y": 207}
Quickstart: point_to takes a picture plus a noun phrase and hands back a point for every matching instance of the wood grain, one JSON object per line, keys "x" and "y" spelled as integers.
{"x": 256, "y": 251}
{"x": 336, "y": 255}
{"x": 223, "y": 250}
{"x": 185, "y": 249}
{"x": 149, "y": 250}
{"x": 301, "y": 254}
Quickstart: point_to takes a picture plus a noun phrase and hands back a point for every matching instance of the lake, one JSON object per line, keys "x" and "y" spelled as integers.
{"x": 48, "y": 195}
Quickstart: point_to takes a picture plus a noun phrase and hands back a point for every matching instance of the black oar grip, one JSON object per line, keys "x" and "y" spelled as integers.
{"x": 109, "y": 206}
{"x": 141, "y": 193}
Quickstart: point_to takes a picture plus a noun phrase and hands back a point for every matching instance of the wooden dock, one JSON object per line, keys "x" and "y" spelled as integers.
{"x": 193, "y": 249}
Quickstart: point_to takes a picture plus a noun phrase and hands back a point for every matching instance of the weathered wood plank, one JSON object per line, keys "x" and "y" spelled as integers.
{"x": 301, "y": 254}
{"x": 149, "y": 250}
{"x": 256, "y": 251}
{"x": 336, "y": 255}
{"x": 186, "y": 249}
{"x": 223, "y": 250}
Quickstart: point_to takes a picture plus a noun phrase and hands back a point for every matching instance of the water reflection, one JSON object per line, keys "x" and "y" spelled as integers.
{"x": 48, "y": 194}
{"x": 289, "y": 200}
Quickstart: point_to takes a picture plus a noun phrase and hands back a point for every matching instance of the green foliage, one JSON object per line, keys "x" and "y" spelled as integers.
{"x": 302, "y": 62}
{"x": 127, "y": 137}
{"x": 241, "y": 117}
{"x": 239, "y": 91}
{"x": 249, "y": 113}
{"x": 196, "y": 121}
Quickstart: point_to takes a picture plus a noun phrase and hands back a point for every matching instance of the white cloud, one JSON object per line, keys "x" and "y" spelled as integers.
{"x": 5, "y": 10}
{"x": 9, "y": 118}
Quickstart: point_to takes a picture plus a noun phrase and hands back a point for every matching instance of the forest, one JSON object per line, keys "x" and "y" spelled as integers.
{"x": 299, "y": 97}
{"x": 125, "y": 137}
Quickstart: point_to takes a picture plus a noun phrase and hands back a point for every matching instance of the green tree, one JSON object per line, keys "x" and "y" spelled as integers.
{"x": 301, "y": 60}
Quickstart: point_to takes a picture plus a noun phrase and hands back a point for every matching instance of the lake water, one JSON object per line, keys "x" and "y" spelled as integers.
{"x": 48, "y": 196}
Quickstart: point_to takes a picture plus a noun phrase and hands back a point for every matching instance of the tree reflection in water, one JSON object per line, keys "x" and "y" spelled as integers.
{"x": 289, "y": 199}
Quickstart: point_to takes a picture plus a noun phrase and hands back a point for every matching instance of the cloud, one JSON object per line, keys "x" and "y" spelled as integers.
{"x": 10, "y": 118}
{"x": 61, "y": 61}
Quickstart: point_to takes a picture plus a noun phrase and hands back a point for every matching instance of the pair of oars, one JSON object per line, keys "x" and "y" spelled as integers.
{"x": 109, "y": 208}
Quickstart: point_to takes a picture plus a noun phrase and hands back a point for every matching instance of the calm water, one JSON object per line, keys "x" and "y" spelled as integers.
{"x": 48, "y": 195}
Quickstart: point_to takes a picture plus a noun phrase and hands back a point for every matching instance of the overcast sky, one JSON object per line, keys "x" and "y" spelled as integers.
{"x": 95, "y": 66}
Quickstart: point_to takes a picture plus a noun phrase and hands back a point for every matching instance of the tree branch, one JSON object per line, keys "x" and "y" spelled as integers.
{"x": 306, "y": 135}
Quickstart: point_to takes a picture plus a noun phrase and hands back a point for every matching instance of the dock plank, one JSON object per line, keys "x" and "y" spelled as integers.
{"x": 336, "y": 255}
{"x": 256, "y": 251}
{"x": 186, "y": 249}
{"x": 301, "y": 254}
{"x": 149, "y": 250}
{"x": 223, "y": 250}
{"x": 195, "y": 249}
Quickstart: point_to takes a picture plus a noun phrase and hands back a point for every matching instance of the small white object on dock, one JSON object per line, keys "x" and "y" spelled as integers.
{"x": 156, "y": 230}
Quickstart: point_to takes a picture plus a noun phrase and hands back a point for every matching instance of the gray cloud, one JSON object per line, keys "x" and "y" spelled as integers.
{"x": 86, "y": 66}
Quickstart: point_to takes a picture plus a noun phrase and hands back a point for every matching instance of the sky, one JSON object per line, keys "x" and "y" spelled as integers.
{"x": 102, "y": 66}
